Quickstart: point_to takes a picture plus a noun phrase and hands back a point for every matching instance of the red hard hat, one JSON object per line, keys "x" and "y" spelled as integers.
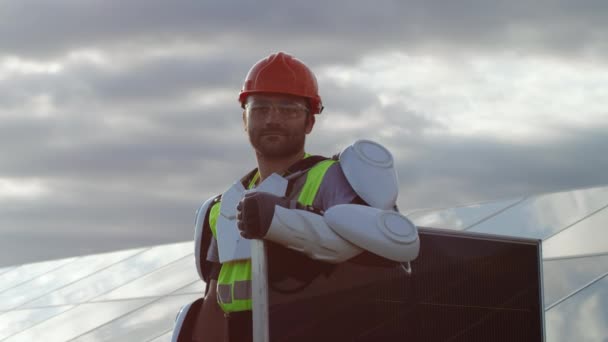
{"x": 282, "y": 74}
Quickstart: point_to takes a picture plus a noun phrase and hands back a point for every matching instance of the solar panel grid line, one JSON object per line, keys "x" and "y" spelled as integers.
{"x": 482, "y": 320}
{"x": 159, "y": 336}
{"x": 439, "y": 209}
{"x": 576, "y": 222}
{"x": 118, "y": 300}
{"x": 476, "y": 235}
{"x": 115, "y": 319}
{"x": 523, "y": 199}
{"x": 136, "y": 279}
{"x": 38, "y": 307}
{"x": 72, "y": 272}
{"x": 579, "y": 256}
{"x": 114, "y": 300}
{"x": 183, "y": 291}
{"x": 38, "y": 275}
{"x": 80, "y": 279}
{"x": 176, "y": 292}
{"x": 129, "y": 269}
{"x": 38, "y": 323}
{"x": 156, "y": 299}
{"x": 575, "y": 292}
{"x": 67, "y": 312}
{"x": 474, "y": 307}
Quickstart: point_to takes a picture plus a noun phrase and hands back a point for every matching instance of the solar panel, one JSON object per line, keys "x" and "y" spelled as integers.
{"x": 463, "y": 287}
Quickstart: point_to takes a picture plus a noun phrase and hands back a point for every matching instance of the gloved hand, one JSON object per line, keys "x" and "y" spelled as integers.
{"x": 255, "y": 212}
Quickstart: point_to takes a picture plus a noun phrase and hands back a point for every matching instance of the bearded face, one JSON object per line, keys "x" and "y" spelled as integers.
{"x": 277, "y": 125}
{"x": 276, "y": 142}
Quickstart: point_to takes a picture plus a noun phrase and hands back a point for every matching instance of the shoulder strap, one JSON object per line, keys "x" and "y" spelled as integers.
{"x": 246, "y": 180}
{"x": 300, "y": 168}
{"x": 206, "y": 235}
{"x": 294, "y": 172}
{"x": 304, "y": 164}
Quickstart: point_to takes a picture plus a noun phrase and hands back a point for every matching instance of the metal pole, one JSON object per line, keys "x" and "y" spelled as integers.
{"x": 259, "y": 270}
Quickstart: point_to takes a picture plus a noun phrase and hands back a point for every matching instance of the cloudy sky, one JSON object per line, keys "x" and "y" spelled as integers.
{"x": 118, "y": 118}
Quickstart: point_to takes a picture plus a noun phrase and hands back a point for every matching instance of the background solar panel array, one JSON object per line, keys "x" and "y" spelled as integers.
{"x": 134, "y": 295}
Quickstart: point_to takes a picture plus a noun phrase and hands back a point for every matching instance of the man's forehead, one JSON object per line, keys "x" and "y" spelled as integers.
{"x": 276, "y": 98}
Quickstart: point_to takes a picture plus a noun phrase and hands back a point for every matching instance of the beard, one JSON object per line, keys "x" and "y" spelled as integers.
{"x": 277, "y": 142}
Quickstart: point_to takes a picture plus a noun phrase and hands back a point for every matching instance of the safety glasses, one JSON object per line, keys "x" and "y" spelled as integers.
{"x": 263, "y": 109}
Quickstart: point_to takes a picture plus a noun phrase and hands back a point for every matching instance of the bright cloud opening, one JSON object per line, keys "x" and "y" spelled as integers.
{"x": 22, "y": 189}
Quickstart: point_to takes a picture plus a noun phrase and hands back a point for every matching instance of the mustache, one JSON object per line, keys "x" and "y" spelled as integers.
{"x": 273, "y": 132}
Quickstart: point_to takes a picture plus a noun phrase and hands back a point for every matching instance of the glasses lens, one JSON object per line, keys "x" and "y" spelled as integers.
{"x": 285, "y": 111}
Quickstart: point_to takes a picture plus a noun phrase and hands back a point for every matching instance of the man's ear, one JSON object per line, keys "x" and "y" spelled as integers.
{"x": 244, "y": 121}
{"x": 310, "y": 123}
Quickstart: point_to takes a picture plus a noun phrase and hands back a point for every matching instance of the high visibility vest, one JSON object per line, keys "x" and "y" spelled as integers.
{"x": 234, "y": 281}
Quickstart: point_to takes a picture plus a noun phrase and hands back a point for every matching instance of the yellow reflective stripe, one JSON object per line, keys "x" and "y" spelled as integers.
{"x": 256, "y": 177}
{"x": 254, "y": 180}
{"x": 233, "y": 272}
{"x": 314, "y": 177}
{"x": 213, "y": 214}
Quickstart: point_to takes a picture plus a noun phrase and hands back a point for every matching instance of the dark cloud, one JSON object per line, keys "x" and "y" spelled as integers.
{"x": 130, "y": 147}
{"x": 446, "y": 172}
{"x": 338, "y": 29}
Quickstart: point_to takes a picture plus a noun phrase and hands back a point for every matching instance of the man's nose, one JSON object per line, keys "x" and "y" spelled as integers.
{"x": 274, "y": 115}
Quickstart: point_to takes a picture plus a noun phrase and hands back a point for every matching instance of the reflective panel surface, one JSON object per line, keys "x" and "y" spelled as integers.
{"x": 116, "y": 275}
{"x": 141, "y": 325}
{"x": 6, "y": 269}
{"x": 15, "y": 321}
{"x": 36, "y": 299}
{"x": 459, "y": 218}
{"x": 582, "y": 317}
{"x": 589, "y": 236}
{"x": 565, "y": 276}
{"x": 77, "y": 321}
{"x": 160, "y": 282}
{"x": 22, "y": 274}
{"x": 198, "y": 286}
{"x": 70, "y": 272}
{"x": 164, "y": 337}
{"x": 544, "y": 215}
{"x": 463, "y": 287}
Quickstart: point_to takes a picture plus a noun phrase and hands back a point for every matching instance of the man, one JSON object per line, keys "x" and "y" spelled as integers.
{"x": 280, "y": 100}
